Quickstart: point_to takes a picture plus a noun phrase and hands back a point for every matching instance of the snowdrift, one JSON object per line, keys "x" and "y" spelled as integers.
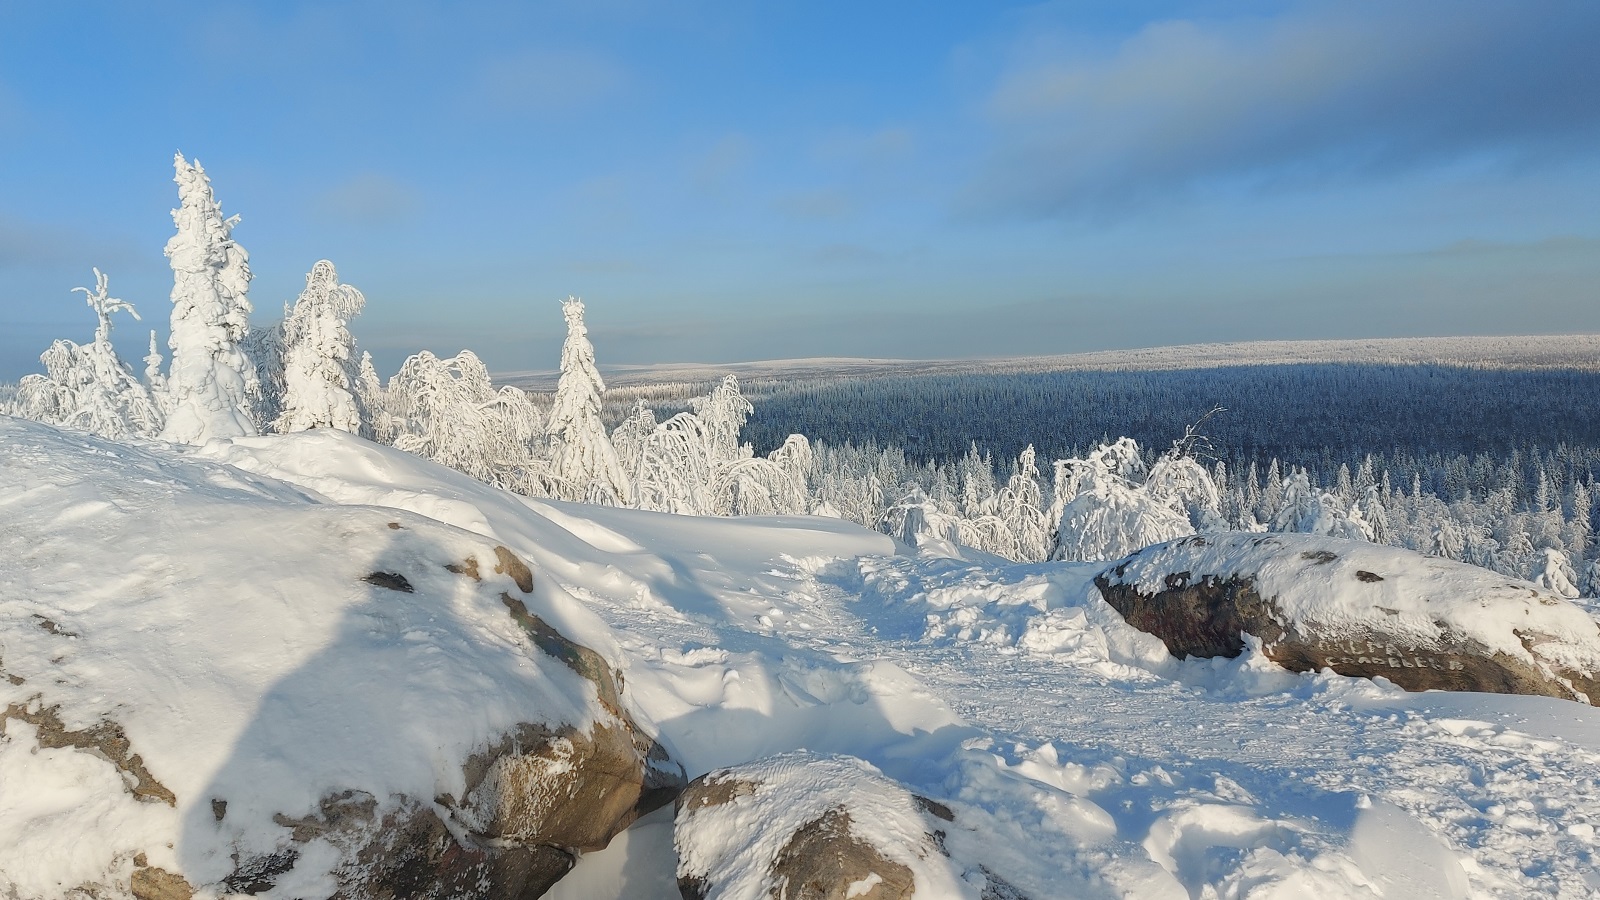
{"x": 1359, "y": 609}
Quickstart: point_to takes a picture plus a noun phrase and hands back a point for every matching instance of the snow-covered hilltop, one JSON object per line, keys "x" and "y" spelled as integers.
{"x": 239, "y": 618}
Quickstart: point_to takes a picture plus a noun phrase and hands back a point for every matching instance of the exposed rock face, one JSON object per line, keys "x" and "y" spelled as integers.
{"x": 151, "y": 883}
{"x": 1360, "y": 610}
{"x": 411, "y": 852}
{"x": 824, "y": 861}
{"x": 103, "y": 738}
{"x": 805, "y": 827}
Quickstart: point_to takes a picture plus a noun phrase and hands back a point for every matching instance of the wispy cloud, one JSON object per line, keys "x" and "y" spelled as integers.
{"x": 884, "y": 145}
{"x": 844, "y": 255}
{"x": 39, "y": 246}
{"x": 716, "y": 168}
{"x": 370, "y": 199}
{"x": 1325, "y": 89}
{"x": 823, "y": 203}
{"x": 551, "y": 80}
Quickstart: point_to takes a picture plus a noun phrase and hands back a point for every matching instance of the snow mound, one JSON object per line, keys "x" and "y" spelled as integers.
{"x": 780, "y": 826}
{"x": 193, "y": 659}
{"x": 1361, "y": 609}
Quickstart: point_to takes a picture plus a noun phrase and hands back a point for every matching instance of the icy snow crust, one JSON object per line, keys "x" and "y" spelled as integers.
{"x": 1079, "y": 758}
{"x": 1313, "y": 583}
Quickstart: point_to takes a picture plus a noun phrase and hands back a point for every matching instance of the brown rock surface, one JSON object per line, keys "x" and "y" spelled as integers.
{"x": 1203, "y": 613}
{"x": 823, "y": 860}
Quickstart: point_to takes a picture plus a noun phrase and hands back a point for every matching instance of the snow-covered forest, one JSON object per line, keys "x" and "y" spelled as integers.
{"x": 1477, "y": 489}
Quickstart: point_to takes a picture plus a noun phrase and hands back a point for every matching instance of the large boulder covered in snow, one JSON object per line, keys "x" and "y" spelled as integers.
{"x": 1359, "y": 609}
{"x": 803, "y": 826}
{"x": 213, "y": 683}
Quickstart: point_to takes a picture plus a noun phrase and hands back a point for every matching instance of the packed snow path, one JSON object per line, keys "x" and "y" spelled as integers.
{"x": 1091, "y": 762}
{"x": 1220, "y": 762}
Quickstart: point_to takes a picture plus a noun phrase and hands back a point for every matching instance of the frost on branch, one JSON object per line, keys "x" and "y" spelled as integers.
{"x": 319, "y": 373}
{"x": 211, "y": 380}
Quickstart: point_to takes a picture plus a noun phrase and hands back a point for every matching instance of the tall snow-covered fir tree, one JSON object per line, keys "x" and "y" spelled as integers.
{"x": 211, "y": 380}
{"x": 580, "y": 452}
{"x": 319, "y": 371}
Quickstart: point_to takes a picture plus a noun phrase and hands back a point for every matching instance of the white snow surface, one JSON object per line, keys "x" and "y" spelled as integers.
{"x": 216, "y": 600}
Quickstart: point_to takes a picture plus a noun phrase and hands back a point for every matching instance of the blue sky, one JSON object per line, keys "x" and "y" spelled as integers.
{"x": 733, "y": 181}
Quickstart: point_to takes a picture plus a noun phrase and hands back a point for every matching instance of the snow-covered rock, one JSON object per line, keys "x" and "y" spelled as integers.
{"x": 800, "y": 826}
{"x": 1359, "y": 609}
{"x": 217, "y": 683}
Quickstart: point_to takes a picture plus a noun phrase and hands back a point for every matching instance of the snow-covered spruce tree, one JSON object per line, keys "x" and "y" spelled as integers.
{"x": 672, "y": 470}
{"x": 51, "y": 398}
{"x": 112, "y": 402}
{"x": 1021, "y": 508}
{"x": 153, "y": 378}
{"x": 582, "y": 459}
{"x": 1300, "y": 507}
{"x": 628, "y": 439}
{"x": 263, "y": 346}
{"x": 1104, "y": 512}
{"x": 743, "y": 484}
{"x": 1372, "y": 510}
{"x": 89, "y": 386}
{"x": 1447, "y": 540}
{"x": 1555, "y": 574}
{"x": 724, "y": 412}
{"x": 370, "y": 394}
{"x": 1589, "y": 583}
{"x": 211, "y": 380}
{"x": 447, "y": 411}
{"x": 319, "y": 369}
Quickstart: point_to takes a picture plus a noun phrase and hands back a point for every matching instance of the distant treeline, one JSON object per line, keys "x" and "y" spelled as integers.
{"x": 1315, "y": 416}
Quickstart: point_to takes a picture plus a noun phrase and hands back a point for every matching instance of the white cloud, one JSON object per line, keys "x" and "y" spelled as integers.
{"x": 1323, "y": 89}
